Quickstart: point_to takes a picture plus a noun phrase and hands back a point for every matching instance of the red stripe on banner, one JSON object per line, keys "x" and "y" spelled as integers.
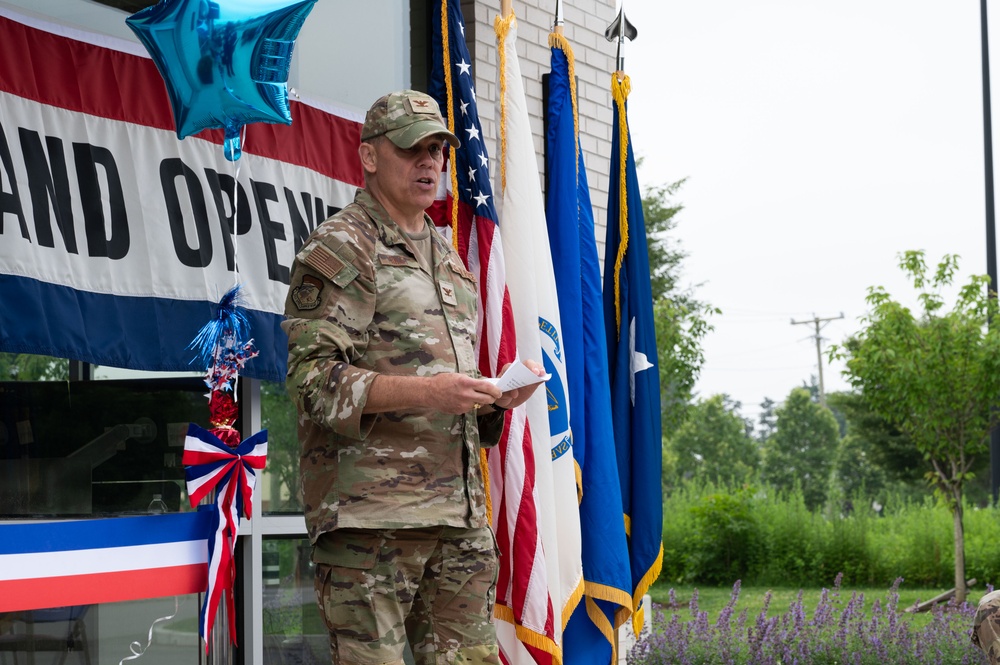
{"x": 195, "y": 457}
{"x": 77, "y": 76}
{"x": 60, "y": 591}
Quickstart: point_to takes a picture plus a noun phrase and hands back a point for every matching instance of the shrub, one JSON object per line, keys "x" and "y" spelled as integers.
{"x": 715, "y": 534}
{"x": 726, "y": 542}
{"x": 793, "y": 538}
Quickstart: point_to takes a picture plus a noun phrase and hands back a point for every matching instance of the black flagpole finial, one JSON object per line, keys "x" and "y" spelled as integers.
{"x": 620, "y": 29}
{"x": 559, "y": 15}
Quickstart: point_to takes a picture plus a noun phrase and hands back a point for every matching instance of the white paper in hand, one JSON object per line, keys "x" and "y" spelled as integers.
{"x": 518, "y": 376}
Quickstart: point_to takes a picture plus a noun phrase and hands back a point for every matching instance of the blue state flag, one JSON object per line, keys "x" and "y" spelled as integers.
{"x": 632, "y": 361}
{"x": 590, "y": 634}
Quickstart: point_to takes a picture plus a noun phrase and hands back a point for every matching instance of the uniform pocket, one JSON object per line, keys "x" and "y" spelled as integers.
{"x": 345, "y": 559}
{"x": 348, "y": 548}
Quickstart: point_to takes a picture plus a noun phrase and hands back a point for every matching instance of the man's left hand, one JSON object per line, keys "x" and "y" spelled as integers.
{"x": 515, "y": 398}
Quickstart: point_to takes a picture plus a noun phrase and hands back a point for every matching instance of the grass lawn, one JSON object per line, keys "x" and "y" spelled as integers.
{"x": 713, "y": 599}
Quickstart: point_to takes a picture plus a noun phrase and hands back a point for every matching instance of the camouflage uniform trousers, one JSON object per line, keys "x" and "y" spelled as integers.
{"x": 986, "y": 628}
{"x": 433, "y": 586}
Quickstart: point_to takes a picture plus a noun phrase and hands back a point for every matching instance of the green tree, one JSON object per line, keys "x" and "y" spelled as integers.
{"x": 659, "y": 211}
{"x": 857, "y": 477}
{"x": 713, "y": 444}
{"x": 767, "y": 422}
{"x": 885, "y": 446}
{"x": 681, "y": 319}
{"x": 279, "y": 418}
{"x": 802, "y": 449}
{"x": 27, "y": 367}
{"x": 879, "y": 458}
{"x": 935, "y": 376}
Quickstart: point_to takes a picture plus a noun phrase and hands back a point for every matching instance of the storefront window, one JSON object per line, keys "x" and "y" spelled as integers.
{"x": 294, "y": 633}
{"x": 280, "y": 479}
{"x": 92, "y": 634}
{"x": 95, "y": 448}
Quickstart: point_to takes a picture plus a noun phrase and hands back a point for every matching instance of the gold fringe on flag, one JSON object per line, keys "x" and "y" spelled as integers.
{"x": 484, "y": 467}
{"x": 446, "y": 55}
{"x": 638, "y": 613}
{"x": 571, "y": 604}
{"x": 610, "y": 594}
{"x": 527, "y": 636}
{"x": 502, "y": 26}
{"x": 620, "y": 89}
{"x": 559, "y": 41}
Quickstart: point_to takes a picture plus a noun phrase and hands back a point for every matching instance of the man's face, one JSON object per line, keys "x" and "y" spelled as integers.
{"x": 408, "y": 178}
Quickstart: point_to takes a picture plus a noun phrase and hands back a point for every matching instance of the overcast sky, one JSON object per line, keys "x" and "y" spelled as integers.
{"x": 820, "y": 139}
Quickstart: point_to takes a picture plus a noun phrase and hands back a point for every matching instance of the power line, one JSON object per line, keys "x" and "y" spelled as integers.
{"x": 816, "y": 321}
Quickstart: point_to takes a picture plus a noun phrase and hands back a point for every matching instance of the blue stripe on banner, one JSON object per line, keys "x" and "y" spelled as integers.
{"x": 149, "y": 334}
{"x": 101, "y": 533}
{"x": 206, "y": 437}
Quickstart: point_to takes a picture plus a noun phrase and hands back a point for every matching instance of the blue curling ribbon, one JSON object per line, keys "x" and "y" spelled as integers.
{"x": 228, "y": 328}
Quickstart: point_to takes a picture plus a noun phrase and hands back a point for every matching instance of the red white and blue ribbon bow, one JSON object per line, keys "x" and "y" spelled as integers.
{"x": 209, "y": 464}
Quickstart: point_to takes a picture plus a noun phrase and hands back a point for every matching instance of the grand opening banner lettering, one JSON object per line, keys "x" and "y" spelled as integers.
{"x": 116, "y": 238}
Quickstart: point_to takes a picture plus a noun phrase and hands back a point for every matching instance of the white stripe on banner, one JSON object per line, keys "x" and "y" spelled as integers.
{"x": 67, "y": 563}
{"x": 168, "y": 242}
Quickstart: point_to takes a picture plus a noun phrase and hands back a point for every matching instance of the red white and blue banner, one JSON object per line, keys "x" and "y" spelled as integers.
{"x": 210, "y": 466}
{"x": 116, "y": 238}
{"x": 80, "y": 562}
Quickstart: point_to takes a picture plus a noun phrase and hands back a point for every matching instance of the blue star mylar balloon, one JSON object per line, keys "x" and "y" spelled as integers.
{"x": 225, "y": 62}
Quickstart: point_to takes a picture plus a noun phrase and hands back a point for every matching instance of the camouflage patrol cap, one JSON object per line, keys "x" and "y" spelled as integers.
{"x": 406, "y": 117}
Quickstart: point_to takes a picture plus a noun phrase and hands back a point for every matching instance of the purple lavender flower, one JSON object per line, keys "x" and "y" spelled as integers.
{"x": 840, "y": 635}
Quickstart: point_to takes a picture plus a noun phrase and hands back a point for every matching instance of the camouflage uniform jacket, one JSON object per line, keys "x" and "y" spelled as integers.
{"x": 359, "y": 305}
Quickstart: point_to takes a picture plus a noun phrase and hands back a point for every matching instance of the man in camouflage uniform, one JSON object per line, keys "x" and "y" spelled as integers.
{"x": 986, "y": 628}
{"x": 381, "y": 321}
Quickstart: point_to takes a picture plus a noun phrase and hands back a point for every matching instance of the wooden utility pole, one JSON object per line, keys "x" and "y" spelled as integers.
{"x": 816, "y": 321}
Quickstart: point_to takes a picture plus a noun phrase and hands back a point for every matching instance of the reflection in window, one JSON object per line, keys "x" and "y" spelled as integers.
{"x": 91, "y": 448}
{"x": 25, "y": 367}
{"x": 280, "y": 478}
{"x": 92, "y": 634}
{"x": 294, "y": 633}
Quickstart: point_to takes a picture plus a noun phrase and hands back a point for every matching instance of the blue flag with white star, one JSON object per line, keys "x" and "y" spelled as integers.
{"x": 635, "y": 381}
{"x": 590, "y": 634}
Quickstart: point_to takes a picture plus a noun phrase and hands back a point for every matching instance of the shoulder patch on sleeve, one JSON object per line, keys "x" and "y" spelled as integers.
{"x": 330, "y": 264}
{"x": 306, "y": 295}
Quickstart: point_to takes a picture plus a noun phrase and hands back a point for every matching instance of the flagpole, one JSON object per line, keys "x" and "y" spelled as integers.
{"x": 621, "y": 29}
{"x": 991, "y": 236}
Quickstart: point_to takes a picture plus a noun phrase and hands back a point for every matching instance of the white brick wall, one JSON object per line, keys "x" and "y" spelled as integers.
{"x": 584, "y": 24}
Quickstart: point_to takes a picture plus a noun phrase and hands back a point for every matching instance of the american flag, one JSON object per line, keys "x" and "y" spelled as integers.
{"x": 467, "y": 208}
